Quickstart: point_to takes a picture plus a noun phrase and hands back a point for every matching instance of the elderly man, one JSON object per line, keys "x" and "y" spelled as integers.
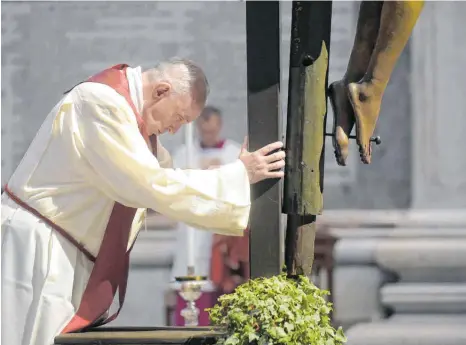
{"x": 72, "y": 209}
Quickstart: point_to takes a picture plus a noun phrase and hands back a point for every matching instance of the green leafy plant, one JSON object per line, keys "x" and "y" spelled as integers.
{"x": 276, "y": 311}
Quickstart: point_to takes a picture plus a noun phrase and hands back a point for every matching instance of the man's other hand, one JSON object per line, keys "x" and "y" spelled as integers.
{"x": 262, "y": 165}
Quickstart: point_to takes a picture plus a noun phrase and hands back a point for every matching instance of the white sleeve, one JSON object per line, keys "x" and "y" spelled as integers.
{"x": 118, "y": 161}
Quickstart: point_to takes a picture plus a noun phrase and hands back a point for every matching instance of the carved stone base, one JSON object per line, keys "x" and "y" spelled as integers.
{"x": 424, "y": 298}
{"x": 400, "y": 332}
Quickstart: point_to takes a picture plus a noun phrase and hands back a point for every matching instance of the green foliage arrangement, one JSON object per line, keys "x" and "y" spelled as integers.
{"x": 276, "y": 311}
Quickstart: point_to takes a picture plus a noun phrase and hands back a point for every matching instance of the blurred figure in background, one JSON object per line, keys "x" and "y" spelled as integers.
{"x": 223, "y": 259}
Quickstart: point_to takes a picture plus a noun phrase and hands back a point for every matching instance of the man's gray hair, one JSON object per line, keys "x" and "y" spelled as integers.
{"x": 184, "y": 76}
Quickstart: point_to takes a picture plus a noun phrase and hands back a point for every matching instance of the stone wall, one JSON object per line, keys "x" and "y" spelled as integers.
{"x": 48, "y": 46}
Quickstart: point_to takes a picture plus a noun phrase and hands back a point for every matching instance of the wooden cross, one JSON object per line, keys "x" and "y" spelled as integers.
{"x": 305, "y": 144}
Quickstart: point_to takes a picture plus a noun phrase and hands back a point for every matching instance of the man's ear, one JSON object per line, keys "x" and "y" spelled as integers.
{"x": 161, "y": 90}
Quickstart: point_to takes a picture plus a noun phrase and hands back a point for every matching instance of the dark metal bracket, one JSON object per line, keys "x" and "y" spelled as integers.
{"x": 377, "y": 140}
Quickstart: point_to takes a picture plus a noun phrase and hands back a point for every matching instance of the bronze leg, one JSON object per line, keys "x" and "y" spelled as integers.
{"x": 364, "y": 43}
{"x": 397, "y": 22}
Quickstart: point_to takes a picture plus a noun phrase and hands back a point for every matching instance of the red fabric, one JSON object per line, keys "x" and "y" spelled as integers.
{"x": 110, "y": 271}
{"x": 218, "y": 145}
{"x": 47, "y": 221}
{"x": 230, "y": 261}
{"x": 207, "y": 300}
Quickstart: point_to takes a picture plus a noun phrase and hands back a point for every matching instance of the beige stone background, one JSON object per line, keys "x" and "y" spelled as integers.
{"x": 400, "y": 222}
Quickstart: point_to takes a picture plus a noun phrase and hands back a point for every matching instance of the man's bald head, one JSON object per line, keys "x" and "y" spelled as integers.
{"x": 208, "y": 112}
{"x": 209, "y": 125}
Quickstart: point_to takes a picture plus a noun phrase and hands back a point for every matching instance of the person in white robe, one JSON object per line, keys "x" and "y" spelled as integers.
{"x": 210, "y": 150}
{"x": 88, "y": 154}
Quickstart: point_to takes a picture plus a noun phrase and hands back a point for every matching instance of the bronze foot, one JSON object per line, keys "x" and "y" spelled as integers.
{"x": 343, "y": 120}
{"x": 366, "y": 107}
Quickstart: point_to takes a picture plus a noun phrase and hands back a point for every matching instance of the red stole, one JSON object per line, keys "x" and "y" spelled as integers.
{"x": 110, "y": 272}
{"x": 218, "y": 145}
{"x": 111, "y": 265}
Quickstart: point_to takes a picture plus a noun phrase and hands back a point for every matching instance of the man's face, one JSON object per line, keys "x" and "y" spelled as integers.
{"x": 168, "y": 111}
{"x": 209, "y": 130}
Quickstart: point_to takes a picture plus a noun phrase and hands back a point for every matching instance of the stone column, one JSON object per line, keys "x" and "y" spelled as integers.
{"x": 438, "y": 54}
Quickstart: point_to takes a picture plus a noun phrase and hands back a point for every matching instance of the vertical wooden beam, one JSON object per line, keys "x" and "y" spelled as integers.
{"x": 263, "y": 68}
{"x": 305, "y": 141}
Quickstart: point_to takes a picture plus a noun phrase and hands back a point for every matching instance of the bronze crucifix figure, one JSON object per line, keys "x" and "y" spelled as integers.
{"x": 383, "y": 30}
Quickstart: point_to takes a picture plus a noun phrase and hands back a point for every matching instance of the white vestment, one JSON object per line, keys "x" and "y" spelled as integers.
{"x": 228, "y": 153}
{"x": 88, "y": 154}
